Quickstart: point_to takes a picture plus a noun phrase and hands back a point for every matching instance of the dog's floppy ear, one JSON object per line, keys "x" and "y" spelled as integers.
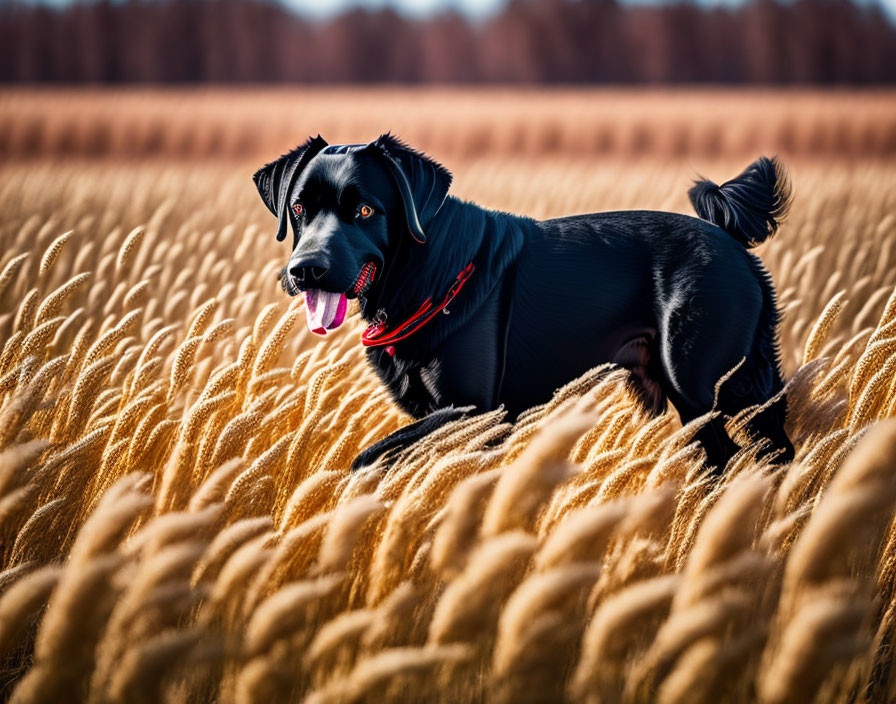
{"x": 422, "y": 182}
{"x": 276, "y": 180}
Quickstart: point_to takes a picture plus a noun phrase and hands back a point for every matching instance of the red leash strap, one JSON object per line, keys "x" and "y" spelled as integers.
{"x": 376, "y": 334}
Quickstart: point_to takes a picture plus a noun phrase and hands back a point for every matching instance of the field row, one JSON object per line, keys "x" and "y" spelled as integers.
{"x": 218, "y": 123}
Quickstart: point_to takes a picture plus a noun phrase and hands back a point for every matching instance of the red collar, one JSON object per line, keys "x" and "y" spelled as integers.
{"x": 376, "y": 335}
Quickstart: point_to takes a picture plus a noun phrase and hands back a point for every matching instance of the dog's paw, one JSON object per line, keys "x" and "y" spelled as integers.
{"x": 362, "y": 460}
{"x": 373, "y": 455}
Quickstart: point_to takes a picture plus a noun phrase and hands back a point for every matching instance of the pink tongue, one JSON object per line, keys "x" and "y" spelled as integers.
{"x": 325, "y": 310}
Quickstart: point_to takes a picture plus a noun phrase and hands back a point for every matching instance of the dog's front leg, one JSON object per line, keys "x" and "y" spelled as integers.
{"x": 389, "y": 447}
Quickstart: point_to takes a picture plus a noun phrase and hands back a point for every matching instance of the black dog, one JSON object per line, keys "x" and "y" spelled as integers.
{"x": 679, "y": 301}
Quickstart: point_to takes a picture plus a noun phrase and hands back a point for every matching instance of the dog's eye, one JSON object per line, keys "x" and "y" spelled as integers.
{"x": 365, "y": 211}
{"x": 298, "y": 209}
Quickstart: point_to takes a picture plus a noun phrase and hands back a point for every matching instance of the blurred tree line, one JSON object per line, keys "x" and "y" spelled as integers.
{"x": 529, "y": 41}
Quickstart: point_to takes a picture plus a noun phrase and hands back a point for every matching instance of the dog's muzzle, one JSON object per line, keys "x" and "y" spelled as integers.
{"x": 288, "y": 283}
{"x": 326, "y": 310}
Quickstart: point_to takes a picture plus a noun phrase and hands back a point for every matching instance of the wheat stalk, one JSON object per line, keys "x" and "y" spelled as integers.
{"x": 177, "y": 517}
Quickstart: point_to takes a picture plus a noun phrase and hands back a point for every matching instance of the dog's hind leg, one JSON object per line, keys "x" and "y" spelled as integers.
{"x": 641, "y": 357}
{"x": 389, "y": 447}
{"x": 717, "y": 445}
{"x": 765, "y": 424}
{"x": 759, "y": 382}
{"x": 727, "y": 320}
{"x": 742, "y": 389}
{"x": 706, "y": 329}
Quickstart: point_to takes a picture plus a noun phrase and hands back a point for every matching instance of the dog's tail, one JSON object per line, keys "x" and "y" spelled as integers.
{"x": 749, "y": 207}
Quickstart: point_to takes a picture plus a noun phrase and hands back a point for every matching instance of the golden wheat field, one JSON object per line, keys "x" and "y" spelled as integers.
{"x": 177, "y": 518}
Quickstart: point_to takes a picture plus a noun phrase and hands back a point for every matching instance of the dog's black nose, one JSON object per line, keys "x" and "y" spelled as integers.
{"x": 307, "y": 269}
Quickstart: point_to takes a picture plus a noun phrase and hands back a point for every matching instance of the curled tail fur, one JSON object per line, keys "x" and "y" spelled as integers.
{"x": 749, "y": 207}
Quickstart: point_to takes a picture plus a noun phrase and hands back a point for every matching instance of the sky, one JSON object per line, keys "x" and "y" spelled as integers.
{"x": 323, "y": 8}
{"x": 474, "y": 8}
{"x": 477, "y": 9}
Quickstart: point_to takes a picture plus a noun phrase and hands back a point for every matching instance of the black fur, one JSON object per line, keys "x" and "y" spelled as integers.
{"x": 747, "y": 207}
{"x": 276, "y": 179}
{"x": 422, "y": 183}
{"x": 677, "y": 300}
{"x": 400, "y": 439}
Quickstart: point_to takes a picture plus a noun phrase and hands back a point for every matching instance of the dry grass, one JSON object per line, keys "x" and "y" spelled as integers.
{"x": 186, "y": 123}
{"x": 178, "y": 522}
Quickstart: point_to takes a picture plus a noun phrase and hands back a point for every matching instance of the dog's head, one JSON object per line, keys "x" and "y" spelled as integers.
{"x": 348, "y": 207}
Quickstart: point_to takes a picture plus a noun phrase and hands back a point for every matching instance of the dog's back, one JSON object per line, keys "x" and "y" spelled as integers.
{"x": 678, "y": 300}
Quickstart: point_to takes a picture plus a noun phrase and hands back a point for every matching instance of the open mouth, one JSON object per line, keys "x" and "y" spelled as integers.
{"x": 326, "y": 310}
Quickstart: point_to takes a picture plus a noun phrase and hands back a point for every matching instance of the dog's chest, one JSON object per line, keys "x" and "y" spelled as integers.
{"x": 416, "y": 385}
{"x": 462, "y": 370}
